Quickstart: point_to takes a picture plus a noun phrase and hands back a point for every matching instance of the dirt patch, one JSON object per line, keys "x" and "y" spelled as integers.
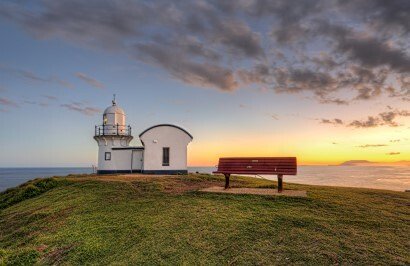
{"x": 41, "y": 248}
{"x": 184, "y": 185}
{"x": 256, "y": 191}
{"x": 57, "y": 255}
{"x": 174, "y": 184}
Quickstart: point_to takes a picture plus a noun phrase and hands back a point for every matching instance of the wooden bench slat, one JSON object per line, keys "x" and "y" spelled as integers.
{"x": 258, "y": 173}
{"x": 262, "y": 161}
{"x": 252, "y": 158}
{"x": 257, "y": 165}
{"x": 256, "y": 168}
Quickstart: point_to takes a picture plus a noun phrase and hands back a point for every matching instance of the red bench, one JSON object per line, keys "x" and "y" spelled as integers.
{"x": 279, "y": 166}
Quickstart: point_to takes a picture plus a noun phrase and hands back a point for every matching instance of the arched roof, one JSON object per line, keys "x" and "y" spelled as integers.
{"x": 166, "y": 125}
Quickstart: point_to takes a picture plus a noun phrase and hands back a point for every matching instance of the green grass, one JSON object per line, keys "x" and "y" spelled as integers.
{"x": 85, "y": 220}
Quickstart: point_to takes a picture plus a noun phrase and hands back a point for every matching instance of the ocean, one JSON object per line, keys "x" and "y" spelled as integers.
{"x": 378, "y": 177}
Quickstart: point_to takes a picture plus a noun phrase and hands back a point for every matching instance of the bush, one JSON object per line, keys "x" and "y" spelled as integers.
{"x": 28, "y": 190}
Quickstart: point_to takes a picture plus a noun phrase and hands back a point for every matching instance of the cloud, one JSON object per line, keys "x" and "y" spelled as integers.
{"x": 337, "y": 51}
{"x": 371, "y": 145}
{"x": 336, "y": 101}
{"x": 297, "y": 80}
{"x": 79, "y": 107}
{"x": 33, "y": 77}
{"x": 191, "y": 72}
{"x": 238, "y": 37}
{"x": 367, "y": 93}
{"x": 395, "y": 140}
{"x": 335, "y": 121}
{"x": 50, "y": 97}
{"x": 7, "y": 102}
{"x": 393, "y": 153}
{"x": 369, "y": 122}
{"x": 369, "y": 51}
{"x": 91, "y": 81}
{"x": 387, "y": 118}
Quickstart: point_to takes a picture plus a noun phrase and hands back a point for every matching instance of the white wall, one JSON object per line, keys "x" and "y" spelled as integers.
{"x": 165, "y": 136}
{"x": 120, "y": 159}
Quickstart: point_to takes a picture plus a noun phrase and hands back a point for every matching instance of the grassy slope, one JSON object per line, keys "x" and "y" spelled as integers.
{"x": 88, "y": 220}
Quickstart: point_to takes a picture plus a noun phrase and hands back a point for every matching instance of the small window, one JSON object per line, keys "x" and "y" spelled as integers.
{"x": 165, "y": 156}
{"x": 108, "y": 156}
{"x": 105, "y": 119}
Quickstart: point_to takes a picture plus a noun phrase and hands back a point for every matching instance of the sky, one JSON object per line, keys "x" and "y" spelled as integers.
{"x": 323, "y": 80}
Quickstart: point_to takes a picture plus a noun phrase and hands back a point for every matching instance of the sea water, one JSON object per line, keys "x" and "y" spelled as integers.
{"x": 11, "y": 177}
{"x": 379, "y": 177}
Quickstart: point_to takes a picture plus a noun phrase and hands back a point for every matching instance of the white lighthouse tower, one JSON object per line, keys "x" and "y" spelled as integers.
{"x": 113, "y": 134}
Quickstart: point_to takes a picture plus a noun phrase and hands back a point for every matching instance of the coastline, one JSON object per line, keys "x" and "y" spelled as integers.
{"x": 395, "y": 178}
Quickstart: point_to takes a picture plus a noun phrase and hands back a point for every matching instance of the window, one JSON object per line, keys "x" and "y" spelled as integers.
{"x": 165, "y": 156}
{"x": 108, "y": 156}
{"x": 105, "y": 119}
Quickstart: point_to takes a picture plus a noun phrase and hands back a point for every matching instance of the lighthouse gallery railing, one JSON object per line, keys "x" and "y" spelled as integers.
{"x": 112, "y": 130}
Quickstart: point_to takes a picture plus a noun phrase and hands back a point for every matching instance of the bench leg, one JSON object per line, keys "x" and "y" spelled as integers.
{"x": 227, "y": 180}
{"x": 280, "y": 183}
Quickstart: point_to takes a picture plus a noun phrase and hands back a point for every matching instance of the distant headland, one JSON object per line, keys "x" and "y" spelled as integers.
{"x": 369, "y": 163}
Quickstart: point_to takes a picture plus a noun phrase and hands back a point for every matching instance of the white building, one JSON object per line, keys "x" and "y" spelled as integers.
{"x": 164, "y": 149}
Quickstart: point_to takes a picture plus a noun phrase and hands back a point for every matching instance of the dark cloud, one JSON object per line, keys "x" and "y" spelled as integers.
{"x": 260, "y": 74}
{"x": 367, "y": 50}
{"x": 382, "y": 119}
{"x": 388, "y": 118}
{"x": 369, "y": 122}
{"x": 238, "y": 37}
{"x": 371, "y": 145}
{"x": 183, "y": 68}
{"x": 299, "y": 80}
{"x": 79, "y": 107}
{"x": 383, "y": 15}
{"x": 89, "y": 80}
{"x": 403, "y": 91}
{"x": 330, "y": 49}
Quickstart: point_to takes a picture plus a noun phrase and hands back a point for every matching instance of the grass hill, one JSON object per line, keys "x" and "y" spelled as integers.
{"x": 165, "y": 220}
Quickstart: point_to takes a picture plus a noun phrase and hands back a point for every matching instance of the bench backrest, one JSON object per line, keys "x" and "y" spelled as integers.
{"x": 258, "y": 165}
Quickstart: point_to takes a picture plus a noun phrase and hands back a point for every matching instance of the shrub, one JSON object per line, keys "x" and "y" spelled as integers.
{"x": 28, "y": 190}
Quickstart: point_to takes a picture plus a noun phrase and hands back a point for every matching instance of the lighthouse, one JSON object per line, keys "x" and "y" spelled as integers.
{"x": 111, "y": 135}
{"x": 163, "y": 150}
